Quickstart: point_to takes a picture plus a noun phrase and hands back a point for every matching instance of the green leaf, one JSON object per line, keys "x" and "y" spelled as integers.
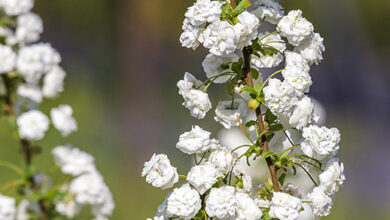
{"x": 248, "y": 89}
{"x": 282, "y": 178}
{"x": 265, "y": 154}
{"x": 255, "y": 73}
{"x": 269, "y": 116}
{"x": 250, "y": 123}
{"x": 241, "y": 7}
{"x": 227, "y": 12}
{"x": 236, "y": 67}
{"x": 230, "y": 87}
{"x": 275, "y": 127}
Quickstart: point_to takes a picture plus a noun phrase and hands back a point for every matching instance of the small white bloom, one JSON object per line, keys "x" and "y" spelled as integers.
{"x": 203, "y": 177}
{"x": 183, "y": 202}
{"x": 7, "y": 208}
{"x": 285, "y": 206}
{"x": 204, "y": 11}
{"x": 90, "y": 189}
{"x": 333, "y": 176}
{"x": 30, "y": 91}
{"x": 8, "y": 59}
{"x": 195, "y": 100}
{"x": 73, "y": 161}
{"x": 16, "y": 7}
{"x": 320, "y": 202}
{"x": 195, "y": 141}
{"x": 35, "y": 60}
{"x": 228, "y": 116}
{"x": 246, "y": 29}
{"x": 53, "y": 82}
{"x": 221, "y": 202}
{"x": 68, "y": 208}
{"x": 279, "y": 96}
{"x": 269, "y": 10}
{"x": 302, "y": 113}
{"x": 159, "y": 172}
{"x": 247, "y": 208}
{"x": 273, "y": 41}
{"x": 295, "y": 27}
{"x": 190, "y": 35}
{"x": 220, "y": 37}
{"x": 29, "y": 28}
{"x": 32, "y": 125}
{"x": 296, "y": 72}
{"x": 215, "y": 65}
{"x": 63, "y": 120}
{"x": 223, "y": 160}
{"x": 320, "y": 142}
{"x": 311, "y": 48}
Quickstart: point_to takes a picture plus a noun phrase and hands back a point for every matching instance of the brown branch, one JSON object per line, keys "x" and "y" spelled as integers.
{"x": 249, "y": 81}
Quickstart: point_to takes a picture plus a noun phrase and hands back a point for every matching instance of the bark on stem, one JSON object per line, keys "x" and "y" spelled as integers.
{"x": 248, "y": 79}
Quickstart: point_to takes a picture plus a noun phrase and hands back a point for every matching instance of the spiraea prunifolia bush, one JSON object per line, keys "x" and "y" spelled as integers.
{"x": 246, "y": 40}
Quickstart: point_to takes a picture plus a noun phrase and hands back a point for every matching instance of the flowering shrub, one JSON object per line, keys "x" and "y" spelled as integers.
{"x": 30, "y": 72}
{"x": 285, "y": 131}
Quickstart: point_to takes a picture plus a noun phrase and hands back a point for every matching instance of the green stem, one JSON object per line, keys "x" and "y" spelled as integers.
{"x": 272, "y": 75}
{"x": 307, "y": 173}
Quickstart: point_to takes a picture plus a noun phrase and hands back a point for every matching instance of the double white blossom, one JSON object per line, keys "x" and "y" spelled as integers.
{"x": 196, "y": 141}
{"x": 16, "y": 7}
{"x": 32, "y": 125}
{"x": 295, "y": 27}
{"x": 203, "y": 177}
{"x": 8, "y": 59}
{"x": 159, "y": 172}
{"x": 223, "y": 160}
{"x": 274, "y": 42}
{"x": 63, "y": 120}
{"x": 183, "y": 202}
{"x": 285, "y": 206}
{"x": 269, "y": 10}
{"x": 7, "y": 208}
{"x": 221, "y": 202}
{"x": 320, "y": 142}
{"x": 73, "y": 161}
{"x": 247, "y": 208}
{"x": 195, "y": 100}
{"x": 311, "y": 48}
{"x": 321, "y": 203}
{"x": 333, "y": 176}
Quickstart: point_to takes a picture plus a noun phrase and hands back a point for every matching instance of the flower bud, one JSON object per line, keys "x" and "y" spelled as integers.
{"x": 253, "y": 104}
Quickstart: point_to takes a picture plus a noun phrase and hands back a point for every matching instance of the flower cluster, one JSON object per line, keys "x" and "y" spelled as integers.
{"x": 285, "y": 132}
{"x": 30, "y": 71}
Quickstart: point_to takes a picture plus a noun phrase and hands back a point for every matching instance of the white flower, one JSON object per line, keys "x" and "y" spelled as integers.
{"x": 35, "y": 60}
{"x": 246, "y": 29}
{"x": 183, "y": 202}
{"x": 72, "y": 160}
{"x": 295, "y": 27}
{"x": 53, "y": 82}
{"x": 223, "y": 160}
{"x": 247, "y": 208}
{"x": 195, "y": 100}
{"x": 63, "y": 120}
{"x": 269, "y": 10}
{"x": 320, "y": 202}
{"x": 228, "y": 116}
{"x": 273, "y": 41}
{"x": 68, "y": 208}
{"x": 296, "y": 72}
{"x": 302, "y": 113}
{"x": 29, "y": 28}
{"x": 203, "y": 177}
{"x": 90, "y": 189}
{"x": 284, "y": 206}
{"x": 204, "y": 11}
{"x": 25, "y": 209}
{"x": 279, "y": 96}
{"x": 220, "y": 37}
{"x": 8, "y": 59}
{"x": 159, "y": 172}
{"x": 221, "y": 202}
{"x": 16, "y": 7}
{"x": 30, "y": 91}
{"x": 215, "y": 65}
{"x": 333, "y": 176}
{"x": 7, "y": 208}
{"x": 190, "y": 35}
{"x": 195, "y": 141}
{"x": 320, "y": 142}
{"x": 311, "y": 48}
{"x": 32, "y": 125}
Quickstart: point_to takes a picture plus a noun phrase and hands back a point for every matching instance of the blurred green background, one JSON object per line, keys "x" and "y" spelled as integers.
{"x": 123, "y": 60}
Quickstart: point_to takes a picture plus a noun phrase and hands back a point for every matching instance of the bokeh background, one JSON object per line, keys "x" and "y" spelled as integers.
{"x": 123, "y": 60}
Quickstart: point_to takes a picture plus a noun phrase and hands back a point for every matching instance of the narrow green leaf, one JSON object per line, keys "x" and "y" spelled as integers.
{"x": 255, "y": 73}
{"x": 269, "y": 116}
{"x": 241, "y": 7}
{"x": 265, "y": 154}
